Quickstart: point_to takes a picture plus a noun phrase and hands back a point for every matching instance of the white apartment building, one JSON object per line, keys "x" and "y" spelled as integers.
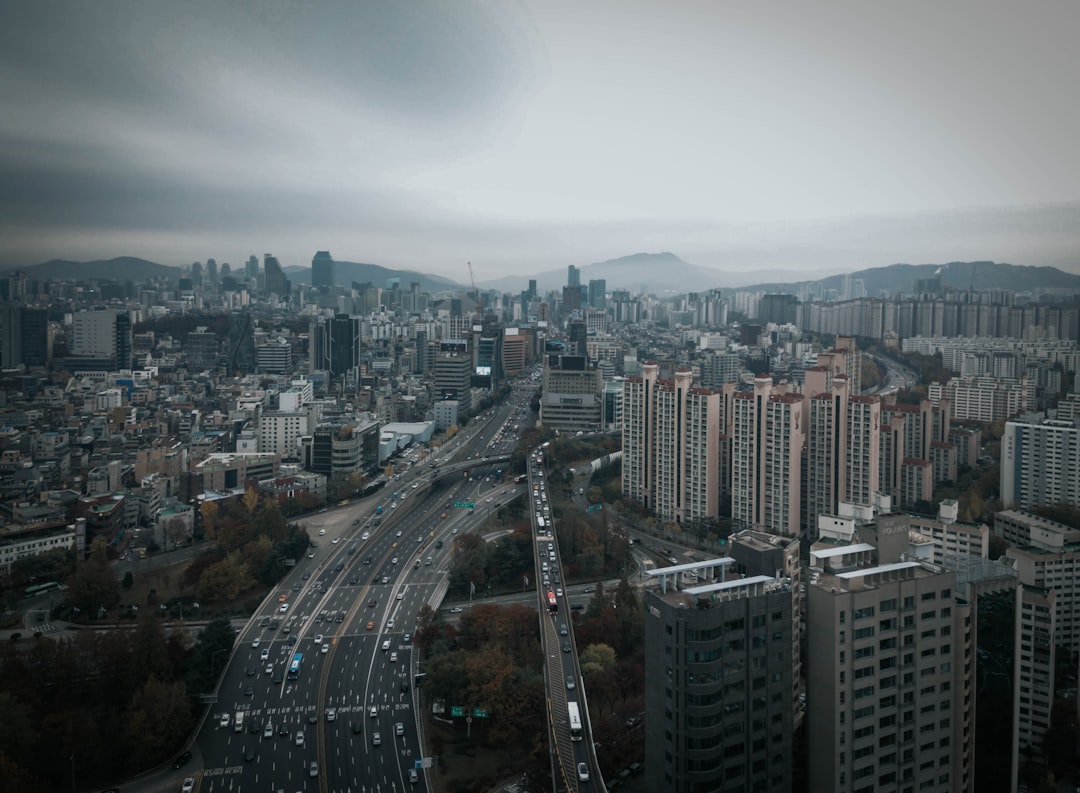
{"x": 1040, "y": 462}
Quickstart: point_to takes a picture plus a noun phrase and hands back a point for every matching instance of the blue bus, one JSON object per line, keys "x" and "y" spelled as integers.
{"x": 294, "y": 667}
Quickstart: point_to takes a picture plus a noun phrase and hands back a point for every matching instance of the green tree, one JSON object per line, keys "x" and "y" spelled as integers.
{"x": 597, "y": 658}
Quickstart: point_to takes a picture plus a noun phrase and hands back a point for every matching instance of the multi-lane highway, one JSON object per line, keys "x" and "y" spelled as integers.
{"x": 322, "y": 676}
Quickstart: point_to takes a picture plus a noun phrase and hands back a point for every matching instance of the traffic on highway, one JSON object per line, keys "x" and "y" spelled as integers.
{"x": 319, "y": 692}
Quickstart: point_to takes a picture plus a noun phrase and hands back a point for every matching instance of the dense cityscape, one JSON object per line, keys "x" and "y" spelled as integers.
{"x": 736, "y": 540}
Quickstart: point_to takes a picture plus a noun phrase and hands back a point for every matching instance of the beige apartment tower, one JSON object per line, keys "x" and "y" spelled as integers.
{"x": 766, "y": 459}
{"x": 672, "y": 445}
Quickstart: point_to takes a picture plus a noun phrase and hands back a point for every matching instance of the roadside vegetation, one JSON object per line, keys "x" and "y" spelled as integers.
{"x": 122, "y": 699}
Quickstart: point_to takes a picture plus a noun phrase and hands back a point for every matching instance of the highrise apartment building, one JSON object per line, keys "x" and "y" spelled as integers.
{"x": 674, "y": 449}
{"x": 842, "y": 447}
{"x": 1040, "y": 462}
{"x": 719, "y": 704}
{"x": 766, "y": 459}
{"x": 891, "y": 677}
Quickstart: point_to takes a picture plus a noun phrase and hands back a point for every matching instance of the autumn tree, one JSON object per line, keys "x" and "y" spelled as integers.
{"x": 225, "y": 580}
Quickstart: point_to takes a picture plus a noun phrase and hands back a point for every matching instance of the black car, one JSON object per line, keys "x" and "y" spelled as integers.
{"x": 253, "y": 727}
{"x": 250, "y": 671}
{"x": 576, "y": 607}
{"x": 181, "y": 760}
{"x": 249, "y": 755}
{"x": 404, "y": 685}
{"x": 356, "y": 727}
{"x": 368, "y": 560}
{"x": 566, "y": 647}
{"x": 339, "y": 618}
{"x": 291, "y": 640}
{"x": 313, "y": 718}
{"x": 283, "y": 730}
{"x": 306, "y": 576}
{"x": 249, "y": 692}
{"x": 372, "y": 603}
{"x": 273, "y": 625}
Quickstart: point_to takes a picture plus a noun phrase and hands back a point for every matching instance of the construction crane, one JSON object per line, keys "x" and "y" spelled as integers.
{"x": 476, "y": 293}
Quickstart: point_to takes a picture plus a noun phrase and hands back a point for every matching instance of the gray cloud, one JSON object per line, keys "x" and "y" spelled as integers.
{"x": 426, "y": 132}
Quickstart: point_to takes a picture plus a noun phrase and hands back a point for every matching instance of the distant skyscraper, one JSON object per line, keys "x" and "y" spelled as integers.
{"x": 322, "y": 270}
{"x": 598, "y": 293}
{"x": 276, "y": 282}
{"x": 241, "y": 343}
{"x": 573, "y": 276}
{"x": 251, "y": 269}
{"x": 212, "y": 271}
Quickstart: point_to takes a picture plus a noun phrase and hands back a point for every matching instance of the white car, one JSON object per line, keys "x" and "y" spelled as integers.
{"x": 582, "y": 772}
{"x": 365, "y": 535}
{"x": 284, "y": 608}
{"x": 265, "y": 654}
{"x": 256, "y": 641}
{"x": 299, "y": 737}
{"x": 336, "y": 540}
{"x": 322, "y": 532}
{"x": 318, "y": 638}
{"x": 325, "y": 649}
{"x": 269, "y": 668}
{"x": 188, "y": 786}
{"x": 389, "y": 624}
{"x": 224, "y": 720}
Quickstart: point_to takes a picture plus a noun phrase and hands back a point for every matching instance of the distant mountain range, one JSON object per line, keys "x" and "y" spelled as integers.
{"x": 894, "y": 278}
{"x": 122, "y": 268}
{"x": 659, "y": 273}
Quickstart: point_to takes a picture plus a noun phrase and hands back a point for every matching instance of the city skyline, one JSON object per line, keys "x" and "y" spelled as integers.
{"x": 524, "y": 137}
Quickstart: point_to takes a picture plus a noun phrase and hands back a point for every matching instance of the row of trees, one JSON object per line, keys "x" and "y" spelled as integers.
{"x": 102, "y": 705}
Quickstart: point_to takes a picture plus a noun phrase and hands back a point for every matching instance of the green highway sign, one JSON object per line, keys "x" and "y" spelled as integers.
{"x": 479, "y": 713}
{"x": 594, "y": 507}
{"x": 465, "y": 504}
{"x": 457, "y": 710}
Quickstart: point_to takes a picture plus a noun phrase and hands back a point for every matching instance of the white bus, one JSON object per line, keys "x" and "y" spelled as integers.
{"x": 575, "y": 721}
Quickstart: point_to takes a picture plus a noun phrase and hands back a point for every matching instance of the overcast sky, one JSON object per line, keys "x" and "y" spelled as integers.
{"x": 810, "y": 136}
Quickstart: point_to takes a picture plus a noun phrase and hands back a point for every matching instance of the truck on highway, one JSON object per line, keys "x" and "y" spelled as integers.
{"x": 238, "y": 723}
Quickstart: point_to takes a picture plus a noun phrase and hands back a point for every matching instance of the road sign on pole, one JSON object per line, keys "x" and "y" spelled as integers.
{"x": 465, "y": 504}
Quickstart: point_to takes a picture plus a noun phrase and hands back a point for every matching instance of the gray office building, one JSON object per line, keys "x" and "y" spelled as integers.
{"x": 718, "y": 694}
{"x": 322, "y": 270}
